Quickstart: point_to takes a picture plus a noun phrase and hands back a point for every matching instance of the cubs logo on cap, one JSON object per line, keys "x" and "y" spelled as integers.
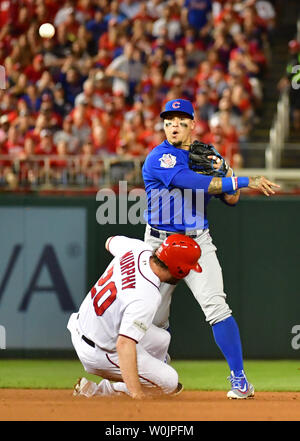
{"x": 178, "y": 105}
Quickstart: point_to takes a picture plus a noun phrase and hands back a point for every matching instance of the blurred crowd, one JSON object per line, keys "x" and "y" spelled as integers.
{"x": 290, "y": 83}
{"x": 97, "y": 87}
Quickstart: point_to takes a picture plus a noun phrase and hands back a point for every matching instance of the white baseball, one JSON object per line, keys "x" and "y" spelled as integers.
{"x": 47, "y": 30}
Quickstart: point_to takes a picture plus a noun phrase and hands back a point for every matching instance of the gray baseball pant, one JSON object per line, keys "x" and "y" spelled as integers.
{"x": 207, "y": 287}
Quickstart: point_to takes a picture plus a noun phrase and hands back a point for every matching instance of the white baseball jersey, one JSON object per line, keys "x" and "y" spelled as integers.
{"x": 125, "y": 298}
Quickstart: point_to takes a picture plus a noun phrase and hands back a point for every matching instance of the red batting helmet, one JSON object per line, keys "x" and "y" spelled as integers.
{"x": 181, "y": 254}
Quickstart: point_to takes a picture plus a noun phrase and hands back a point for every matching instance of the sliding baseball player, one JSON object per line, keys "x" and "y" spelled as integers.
{"x": 113, "y": 333}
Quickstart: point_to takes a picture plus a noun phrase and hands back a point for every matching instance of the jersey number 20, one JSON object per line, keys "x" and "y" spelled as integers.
{"x": 107, "y": 287}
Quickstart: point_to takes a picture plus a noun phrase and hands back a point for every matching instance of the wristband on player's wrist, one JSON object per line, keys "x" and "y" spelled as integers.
{"x": 233, "y": 192}
{"x": 233, "y": 183}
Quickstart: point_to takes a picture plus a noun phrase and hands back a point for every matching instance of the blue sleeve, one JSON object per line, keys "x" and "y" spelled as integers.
{"x": 186, "y": 178}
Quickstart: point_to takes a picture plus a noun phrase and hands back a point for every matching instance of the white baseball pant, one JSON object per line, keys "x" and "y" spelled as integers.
{"x": 207, "y": 286}
{"x": 155, "y": 375}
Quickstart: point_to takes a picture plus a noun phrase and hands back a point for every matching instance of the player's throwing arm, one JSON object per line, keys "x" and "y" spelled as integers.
{"x": 206, "y": 160}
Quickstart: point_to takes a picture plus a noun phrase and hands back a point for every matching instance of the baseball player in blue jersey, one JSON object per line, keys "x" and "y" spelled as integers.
{"x": 166, "y": 169}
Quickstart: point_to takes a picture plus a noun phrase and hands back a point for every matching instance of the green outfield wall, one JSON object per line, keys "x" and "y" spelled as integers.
{"x": 52, "y": 251}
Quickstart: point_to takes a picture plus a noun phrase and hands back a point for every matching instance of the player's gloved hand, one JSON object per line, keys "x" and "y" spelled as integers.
{"x": 205, "y": 159}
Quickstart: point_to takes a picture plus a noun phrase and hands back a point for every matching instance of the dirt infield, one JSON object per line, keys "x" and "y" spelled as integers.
{"x": 60, "y": 405}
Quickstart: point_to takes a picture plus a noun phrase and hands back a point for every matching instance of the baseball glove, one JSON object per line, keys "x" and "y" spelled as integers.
{"x": 200, "y": 163}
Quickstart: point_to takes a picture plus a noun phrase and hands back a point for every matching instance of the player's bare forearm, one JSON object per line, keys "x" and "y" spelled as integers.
{"x": 126, "y": 349}
{"x": 215, "y": 186}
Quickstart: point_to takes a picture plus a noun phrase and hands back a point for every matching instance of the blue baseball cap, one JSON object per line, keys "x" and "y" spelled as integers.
{"x": 178, "y": 105}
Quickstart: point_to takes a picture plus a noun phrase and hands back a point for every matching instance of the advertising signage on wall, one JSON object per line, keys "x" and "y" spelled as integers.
{"x": 42, "y": 274}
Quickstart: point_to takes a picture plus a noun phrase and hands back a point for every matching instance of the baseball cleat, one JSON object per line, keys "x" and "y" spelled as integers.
{"x": 77, "y": 386}
{"x": 84, "y": 387}
{"x": 240, "y": 387}
{"x": 178, "y": 390}
{"x": 89, "y": 388}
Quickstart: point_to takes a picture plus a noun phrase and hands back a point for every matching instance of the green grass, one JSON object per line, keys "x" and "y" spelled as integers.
{"x": 281, "y": 375}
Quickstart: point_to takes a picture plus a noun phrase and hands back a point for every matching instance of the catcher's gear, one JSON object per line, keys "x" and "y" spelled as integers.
{"x": 181, "y": 254}
{"x": 200, "y": 163}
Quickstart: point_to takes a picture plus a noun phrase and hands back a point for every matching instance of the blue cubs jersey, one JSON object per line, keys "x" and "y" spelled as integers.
{"x": 169, "y": 207}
